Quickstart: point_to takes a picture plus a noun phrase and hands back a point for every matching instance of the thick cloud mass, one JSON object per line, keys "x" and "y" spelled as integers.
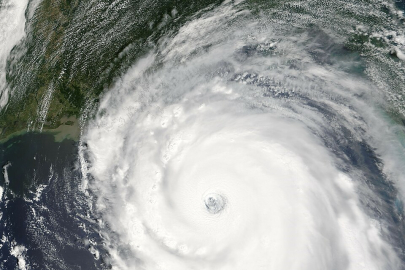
{"x": 11, "y": 31}
{"x": 232, "y": 147}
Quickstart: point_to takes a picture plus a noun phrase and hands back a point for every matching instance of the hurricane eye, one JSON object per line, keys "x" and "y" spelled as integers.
{"x": 214, "y": 203}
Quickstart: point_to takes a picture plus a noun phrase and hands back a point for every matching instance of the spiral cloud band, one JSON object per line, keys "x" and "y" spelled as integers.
{"x": 231, "y": 146}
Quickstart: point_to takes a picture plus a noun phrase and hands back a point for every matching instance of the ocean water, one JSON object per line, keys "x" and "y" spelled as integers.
{"x": 41, "y": 227}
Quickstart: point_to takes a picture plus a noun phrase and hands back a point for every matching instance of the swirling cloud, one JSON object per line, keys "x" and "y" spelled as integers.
{"x": 231, "y": 147}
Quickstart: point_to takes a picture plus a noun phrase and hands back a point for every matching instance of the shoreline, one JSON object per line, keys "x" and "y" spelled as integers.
{"x": 69, "y": 129}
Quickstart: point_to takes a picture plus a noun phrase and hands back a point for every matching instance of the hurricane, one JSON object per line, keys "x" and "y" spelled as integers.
{"x": 255, "y": 137}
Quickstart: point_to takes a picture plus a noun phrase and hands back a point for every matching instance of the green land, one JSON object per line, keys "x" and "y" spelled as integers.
{"x": 75, "y": 50}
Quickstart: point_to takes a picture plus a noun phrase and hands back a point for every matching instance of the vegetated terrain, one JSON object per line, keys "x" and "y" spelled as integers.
{"x": 75, "y": 50}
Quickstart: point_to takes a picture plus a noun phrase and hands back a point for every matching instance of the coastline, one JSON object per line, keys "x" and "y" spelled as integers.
{"x": 69, "y": 129}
